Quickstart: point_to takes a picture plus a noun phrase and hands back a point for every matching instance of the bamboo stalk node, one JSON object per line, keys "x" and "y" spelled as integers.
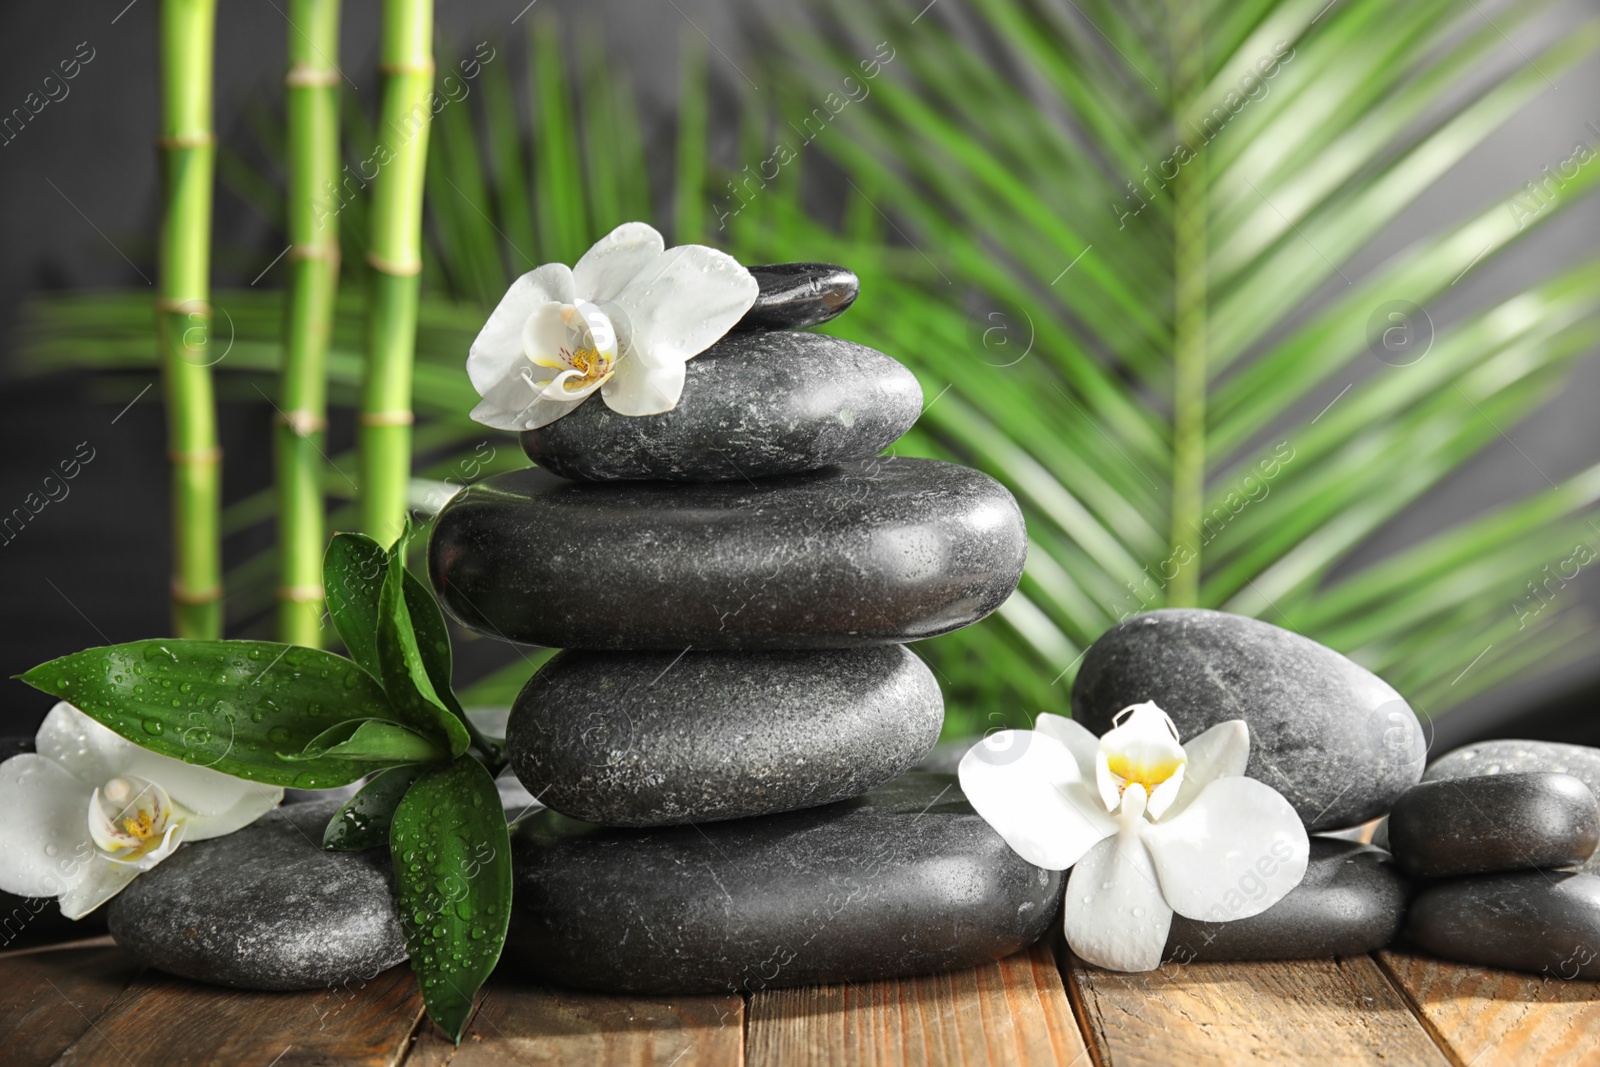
{"x": 387, "y": 418}
{"x": 195, "y": 458}
{"x": 301, "y": 594}
{"x": 186, "y": 140}
{"x": 303, "y": 423}
{"x": 301, "y": 76}
{"x": 195, "y": 597}
{"x": 410, "y": 66}
{"x": 183, "y": 307}
{"x": 314, "y": 251}
{"x": 388, "y": 266}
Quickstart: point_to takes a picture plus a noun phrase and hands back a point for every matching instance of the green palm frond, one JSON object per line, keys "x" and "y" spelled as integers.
{"x": 1160, "y": 352}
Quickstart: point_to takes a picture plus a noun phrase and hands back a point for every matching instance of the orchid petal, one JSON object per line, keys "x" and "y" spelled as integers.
{"x": 44, "y": 837}
{"x": 1114, "y": 912}
{"x": 1221, "y": 752}
{"x": 616, "y": 260}
{"x": 1027, "y": 786}
{"x": 497, "y": 356}
{"x": 1235, "y": 851}
{"x": 257, "y": 801}
{"x": 1080, "y": 741}
{"x": 637, "y": 388}
{"x": 102, "y": 879}
{"x": 681, "y": 304}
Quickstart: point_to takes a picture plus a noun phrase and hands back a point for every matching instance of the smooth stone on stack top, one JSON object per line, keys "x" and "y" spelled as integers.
{"x": 1350, "y": 902}
{"x": 265, "y": 908}
{"x": 880, "y": 551}
{"x": 1335, "y": 739}
{"x": 1503, "y": 822}
{"x": 1515, "y": 757}
{"x": 793, "y": 296}
{"x": 657, "y": 738}
{"x": 753, "y": 405}
{"x": 907, "y": 879}
{"x": 1544, "y": 922}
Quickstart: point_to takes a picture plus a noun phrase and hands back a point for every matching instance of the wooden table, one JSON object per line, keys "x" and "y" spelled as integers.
{"x": 89, "y": 1003}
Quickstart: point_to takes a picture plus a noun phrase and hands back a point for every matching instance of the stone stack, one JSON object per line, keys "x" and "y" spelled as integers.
{"x": 732, "y": 584}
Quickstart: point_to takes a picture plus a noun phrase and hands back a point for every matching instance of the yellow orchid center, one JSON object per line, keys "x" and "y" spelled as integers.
{"x": 584, "y": 358}
{"x": 1141, "y": 749}
{"x": 129, "y": 817}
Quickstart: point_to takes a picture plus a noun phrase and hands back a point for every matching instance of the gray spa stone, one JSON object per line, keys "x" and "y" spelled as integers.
{"x": 1328, "y": 734}
{"x": 1351, "y": 901}
{"x": 754, "y": 405}
{"x": 874, "y": 552}
{"x": 1543, "y": 922}
{"x": 904, "y": 880}
{"x": 1502, "y": 822}
{"x": 265, "y": 908}
{"x": 658, "y": 738}
{"x": 1515, "y": 757}
{"x": 796, "y": 295}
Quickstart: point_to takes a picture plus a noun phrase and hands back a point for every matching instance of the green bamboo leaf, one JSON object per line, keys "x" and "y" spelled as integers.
{"x": 370, "y": 741}
{"x": 365, "y": 819}
{"x": 402, "y": 666}
{"x": 452, "y": 871}
{"x": 353, "y": 570}
{"x": 235, "y": 706}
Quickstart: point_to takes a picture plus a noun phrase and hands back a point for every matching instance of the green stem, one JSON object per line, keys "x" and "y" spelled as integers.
{"x": 312, "y": 87}
{"x": 1189, "y": 325}
{"x": 183, "y": 313}
{"x": 395, "y": 255}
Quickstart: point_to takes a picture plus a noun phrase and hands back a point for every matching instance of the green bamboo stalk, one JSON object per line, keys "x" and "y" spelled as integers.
{"x": 183, "y": 315}
{"x": 1189, "y": 324}
{"x": 395, "y": 255}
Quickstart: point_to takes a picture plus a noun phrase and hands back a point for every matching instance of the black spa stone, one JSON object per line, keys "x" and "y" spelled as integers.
{"x": 1486, "y": 758}
{"x": 796, "y": 295}
{"x": 754, "y": 405}
{"x": 265, "y": 908}
{"x": 1542, "y": 922}
{"x": 1502, "y": 822}
{"x": 1350, "y": 902}
{"x": 904, "y": 880}
{"x": 657, "y": 738}
{"x": 873, "y": 552}
{"x": 1328, "y": 734}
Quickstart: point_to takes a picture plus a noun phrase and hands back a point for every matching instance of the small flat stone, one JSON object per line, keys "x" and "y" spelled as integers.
{"x": 1351, "y": 901}
{"x": 1503, "y": 822}
{"x": 1543, "y": 922}
{"x": 659, "y": 738}
{"x": 1335, "y": 739}
{"x": 753, "y": 405}
{"x": 1515, "y": 757}
{"x": 904, "y": 880}
{"x": 874, "y": 552}
{"x": 265, "y": 908}
{"x": 796, "y": 295}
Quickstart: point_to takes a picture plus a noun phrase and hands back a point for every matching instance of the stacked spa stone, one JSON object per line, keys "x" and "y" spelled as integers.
{"x": 1504, "y": 835}
{"x": 722, "y": 741}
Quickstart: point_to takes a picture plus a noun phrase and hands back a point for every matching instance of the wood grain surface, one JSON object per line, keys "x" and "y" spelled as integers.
{"x": 51, "y": 997}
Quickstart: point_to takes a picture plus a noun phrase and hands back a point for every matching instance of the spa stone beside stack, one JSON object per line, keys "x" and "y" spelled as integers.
{"x": 733, "y": 583}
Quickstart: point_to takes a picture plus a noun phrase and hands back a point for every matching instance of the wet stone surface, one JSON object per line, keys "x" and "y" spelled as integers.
{"x": 1502, "y": 822}
{"x": 1542, "y": 922}
{"x": 793, "y": 296}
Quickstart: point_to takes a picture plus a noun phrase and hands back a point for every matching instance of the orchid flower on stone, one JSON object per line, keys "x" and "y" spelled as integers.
{"x": 624, "y": 321}
{"x": 1149, "y": 826}
{"x": 88, "y": 811}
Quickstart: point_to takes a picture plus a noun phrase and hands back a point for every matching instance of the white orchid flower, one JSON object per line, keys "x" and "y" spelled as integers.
{"x": 89, "y": 810}
{"x": 624, "y": 321}
{"x": 1149, "y": 826}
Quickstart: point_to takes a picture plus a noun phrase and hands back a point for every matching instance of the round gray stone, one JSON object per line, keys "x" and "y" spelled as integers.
{"x": 1502, "y": 822}
{"x": 1335, "y": 739}
{"x": 793, "y": 296}
{"x": 904, "y": 880}
{"x": 753, "y": 405}
{"x": 873, "y": 552}
{"x": 1516, "y": 757}
{"x": 1351, "y": 901}
{"x": 265, "y": 908}
{"x": 1543, "y": 922}
{"x": 658, "y": 738}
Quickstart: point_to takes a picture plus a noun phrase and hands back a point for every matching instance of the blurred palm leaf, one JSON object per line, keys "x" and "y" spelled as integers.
{"x": 1007, "y": 195}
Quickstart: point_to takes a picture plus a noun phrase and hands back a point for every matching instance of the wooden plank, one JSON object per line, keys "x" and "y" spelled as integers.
{"x": 49, "y": 997}
{"x": 176, "y": 1023}
{"x": 1489, "y": 1017}
{"x": 523, "y": 1026}
{"x": 1011, "y": 1012}
{"x": 1317, "y": 1012}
